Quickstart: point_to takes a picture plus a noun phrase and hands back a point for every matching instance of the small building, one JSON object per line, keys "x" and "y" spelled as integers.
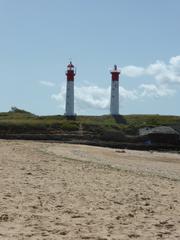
{"x": 161, "y": 134}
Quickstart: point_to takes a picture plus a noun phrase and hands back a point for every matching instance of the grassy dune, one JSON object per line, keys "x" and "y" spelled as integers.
{"x": 20, "y": 121}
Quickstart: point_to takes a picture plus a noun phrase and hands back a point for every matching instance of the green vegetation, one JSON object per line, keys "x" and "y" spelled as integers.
{"x": 128, "y": 124}
{"x": 19, "y": 121}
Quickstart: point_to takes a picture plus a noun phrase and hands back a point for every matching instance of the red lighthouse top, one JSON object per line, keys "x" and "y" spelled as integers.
{"x": 115, "y": 73}
{"x": 70, "y": 73}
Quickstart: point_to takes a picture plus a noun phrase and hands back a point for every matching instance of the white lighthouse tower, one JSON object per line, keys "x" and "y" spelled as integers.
{"x": 114, "y": 105}
{"x": 70, "y": 73}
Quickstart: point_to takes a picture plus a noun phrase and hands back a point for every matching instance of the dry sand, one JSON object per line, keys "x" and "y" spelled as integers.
{"x": 52, "y": 191}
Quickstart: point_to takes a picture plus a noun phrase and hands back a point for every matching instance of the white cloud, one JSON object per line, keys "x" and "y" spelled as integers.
{"x": 132, "y": 71}
{"x": 47, "y": 83}
{"x": 152, "y": 90}
{"x": 155, "y": 68}
{"x": 125, "y": 94}
{"x": 92, "y": 96}
{"x": 162, "y": 72}
{"x": 175, "y": 61}
{"x": 60, "y": 97}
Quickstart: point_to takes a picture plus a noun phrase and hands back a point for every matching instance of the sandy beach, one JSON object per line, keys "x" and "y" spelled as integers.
{"x": 54, "y": 191}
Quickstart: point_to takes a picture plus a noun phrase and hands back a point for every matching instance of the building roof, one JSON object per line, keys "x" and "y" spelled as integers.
{"x": 157, "y": 130}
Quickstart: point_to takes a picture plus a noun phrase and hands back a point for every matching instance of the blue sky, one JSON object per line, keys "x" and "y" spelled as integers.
{"x": 38, "y": 37}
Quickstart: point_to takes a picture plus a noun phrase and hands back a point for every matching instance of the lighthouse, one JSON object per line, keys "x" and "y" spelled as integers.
{"x": 70, "y": 73}
{"x": 114, "y": 105}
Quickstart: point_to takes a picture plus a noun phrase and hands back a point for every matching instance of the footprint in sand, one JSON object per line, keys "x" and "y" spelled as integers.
{"x": 4, "y": 218}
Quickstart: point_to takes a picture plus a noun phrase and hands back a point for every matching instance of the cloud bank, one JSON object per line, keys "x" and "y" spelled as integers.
{"x": 160, "y": 71}
{"x": 98, "y": 98}
{"x": 155, "y": 91}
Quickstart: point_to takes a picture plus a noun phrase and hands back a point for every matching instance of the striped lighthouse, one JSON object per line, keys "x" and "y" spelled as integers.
{"x": 114, "y": 105}
{"x": 70, "y": 73}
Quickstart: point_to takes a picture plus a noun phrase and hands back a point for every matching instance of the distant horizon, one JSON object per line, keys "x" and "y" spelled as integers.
{"x": 86, "y": 115}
